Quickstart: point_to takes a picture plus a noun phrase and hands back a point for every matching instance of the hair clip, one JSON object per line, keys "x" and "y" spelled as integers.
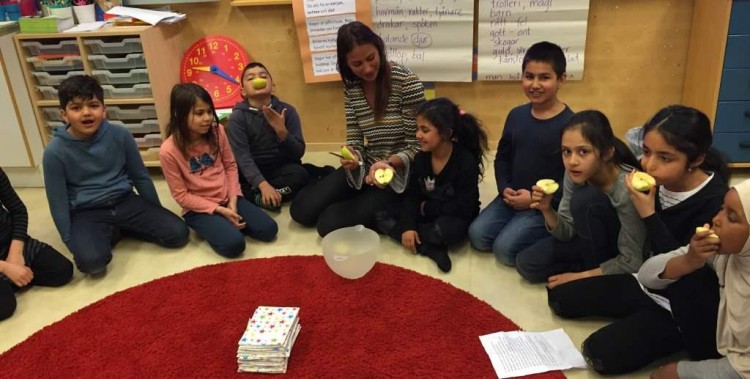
{"x": 461, "y": 112}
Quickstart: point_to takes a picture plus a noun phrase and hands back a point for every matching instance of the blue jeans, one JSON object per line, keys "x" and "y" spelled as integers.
{"x": 92, "y": 229}
{"x": 506, "y": 231}
{"x": 223, "y": 237}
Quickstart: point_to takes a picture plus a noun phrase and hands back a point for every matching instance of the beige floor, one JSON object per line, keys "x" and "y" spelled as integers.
{"x": 137, "y": 262}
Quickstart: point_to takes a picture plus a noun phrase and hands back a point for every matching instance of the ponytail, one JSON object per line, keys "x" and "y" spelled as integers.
{"x": 623, "y": 155}
{"x": 470, "y": 133}
{"x": 715, "y": 161}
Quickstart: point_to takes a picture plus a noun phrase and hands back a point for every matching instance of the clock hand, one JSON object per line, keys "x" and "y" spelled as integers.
{"x": 216, "y": 70}
{"x": 202, "y": 68}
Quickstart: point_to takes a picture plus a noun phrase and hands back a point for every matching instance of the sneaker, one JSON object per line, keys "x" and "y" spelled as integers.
{"x": 258, "y": 200}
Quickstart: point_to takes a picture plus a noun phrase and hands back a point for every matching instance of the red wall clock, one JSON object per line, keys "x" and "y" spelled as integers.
{"x": 215, "y": 63}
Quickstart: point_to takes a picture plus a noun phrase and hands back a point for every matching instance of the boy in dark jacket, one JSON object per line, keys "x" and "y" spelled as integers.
{"x": 266, "y": 138}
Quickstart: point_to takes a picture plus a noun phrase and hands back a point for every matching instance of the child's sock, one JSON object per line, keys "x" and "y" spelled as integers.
{"x": 438, "y": 253}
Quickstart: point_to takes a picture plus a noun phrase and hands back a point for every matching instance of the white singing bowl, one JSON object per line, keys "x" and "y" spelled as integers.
{"x": 351, "y": 252}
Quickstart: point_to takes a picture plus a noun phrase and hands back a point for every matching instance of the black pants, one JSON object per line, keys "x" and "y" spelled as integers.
{"x": 597, "y": 229}
{"x": 443, "y": 230}
{"x": 644, "y": 331}
{"x": 50, "y": 269}
{"x": 289, "y": 179}
{"x": 332, "y": 204}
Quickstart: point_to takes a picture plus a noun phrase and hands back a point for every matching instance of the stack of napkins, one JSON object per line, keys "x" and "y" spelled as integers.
{"x": 268, "y": 339}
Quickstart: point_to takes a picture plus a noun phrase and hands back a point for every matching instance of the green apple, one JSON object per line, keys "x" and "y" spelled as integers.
{"x": 259, "y": 83}
{"x": 702, "y": 229}
{"x": 347, "y": 154}
{"x": 548, "y": 186}
{"x": 643, "y": 181}
{"x": 383, "y": 176}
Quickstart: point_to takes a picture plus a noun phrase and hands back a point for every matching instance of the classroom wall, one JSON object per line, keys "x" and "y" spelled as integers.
{"x": 635, "y": 64}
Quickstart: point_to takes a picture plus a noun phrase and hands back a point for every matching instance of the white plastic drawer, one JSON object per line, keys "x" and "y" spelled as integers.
{"x": 52, "y": 47}
{"x": 56, "y": 64}
{"x": 124, "y": 46}
{"x": 143, "y": 127}
{"x": 138, "y": 75}
{"x": 52, "y": 125}
{"x": 103, "y": 62}
{"x": 149, "y": 140}
{"x": 52, "y": 114}
{"x": 48, "y": 92}
{"x": 47, "y": 79}
{"x": 130, "y": 112}
{"x": 125, "y": 92}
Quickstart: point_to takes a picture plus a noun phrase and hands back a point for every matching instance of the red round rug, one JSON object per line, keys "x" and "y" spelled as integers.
{"x": 391, "y": 323}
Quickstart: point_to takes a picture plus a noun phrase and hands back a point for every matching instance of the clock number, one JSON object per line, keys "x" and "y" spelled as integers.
{"x": 226, "y": 49}
{"x": 228, "y": 89}
{"x": 237, "y": 79}
{"x": 214, "y": 45}
{"x": 239, "y": 66}
{"x": 216, "y": 93}
{"x": 202, "y": 51}
{"x": 236, "y": 56}
{"x": 195, "y": 60}
{"x": 189, "y": 72}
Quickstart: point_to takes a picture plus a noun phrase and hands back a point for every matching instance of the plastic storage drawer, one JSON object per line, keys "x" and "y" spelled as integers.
{"x": 52, "y": 114}
{"x": 130, "y": 61}
{"x": 143, "y": 127}
{"x": 120, "y": 112}
{"x": 149, "y": 140}
{"x": 69, "y": 47}
{"x": 138, "y": 75}
{"x": 61, "y": 64}
{"x": 124, "y": 46}
{"x": 52, "y": 125}
{"x": 125, "y": 92}
{"x": 47, "y": 79}
{"x": 48, "y": 92}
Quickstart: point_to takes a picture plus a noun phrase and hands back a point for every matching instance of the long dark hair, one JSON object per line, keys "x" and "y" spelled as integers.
{"x": 356, "y": 34}
{"x": 457, "y": 125}
{"x": 595, "y": 127}
{"x": 689, "y": 131}
{"x": 181, "y": 103}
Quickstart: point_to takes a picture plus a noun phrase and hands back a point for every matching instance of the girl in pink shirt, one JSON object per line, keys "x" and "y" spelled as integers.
{"x": 201, "y": 172}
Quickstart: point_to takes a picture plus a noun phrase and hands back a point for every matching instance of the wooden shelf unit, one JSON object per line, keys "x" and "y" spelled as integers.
{"x": 162, "y": 50}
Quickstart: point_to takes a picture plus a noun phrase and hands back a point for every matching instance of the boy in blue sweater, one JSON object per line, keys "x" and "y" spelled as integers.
{"x": 90, "y": 169}
{"x": 529, "y": 150}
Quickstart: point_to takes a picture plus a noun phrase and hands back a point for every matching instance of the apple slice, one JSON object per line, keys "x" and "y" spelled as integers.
{"x": 259, "y": 83}
{"x": 549, "y": 186}
{"x": 347, "y": 154}
{"x": 383, "y": 176}
{"x": 702, "y": 229}
{"x": 643, "y": 181}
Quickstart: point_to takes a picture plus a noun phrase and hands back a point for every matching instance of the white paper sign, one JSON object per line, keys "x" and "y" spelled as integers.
{"x": 324, "y": 63}
{"x": 317, "y": 8}
{"x": 525, "y": 353}
{"x": 507, "y": 28}
{"x": 327, "y": 25}
{"x": 432, "y": 38}
{"x": 323, "y": 43}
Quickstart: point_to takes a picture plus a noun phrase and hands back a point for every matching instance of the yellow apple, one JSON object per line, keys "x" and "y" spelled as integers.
{"x": 549, "y": 186}
{"x": 702, "y": 229}
{"x": 383, "y": 176}
{"x": 259, "y": 83}
{"x": 643, "y": 181}
{"x": 347, "y": 154}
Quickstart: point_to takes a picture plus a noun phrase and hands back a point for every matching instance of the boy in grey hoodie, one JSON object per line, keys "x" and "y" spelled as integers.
{"x": 90, "y": 169}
